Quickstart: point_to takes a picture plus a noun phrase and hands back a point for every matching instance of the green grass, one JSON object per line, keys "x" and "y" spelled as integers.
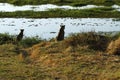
{"x": 60, "y": 2}
{"x": 105, "y": 12}
{"x": 6, "y": 38}
{"x": 51, "y": 60}
{"x": 30, "y": 41}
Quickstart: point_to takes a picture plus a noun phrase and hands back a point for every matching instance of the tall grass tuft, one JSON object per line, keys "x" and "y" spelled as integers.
{"x": 90, "y": 39}
{"x": 114, "y": 47}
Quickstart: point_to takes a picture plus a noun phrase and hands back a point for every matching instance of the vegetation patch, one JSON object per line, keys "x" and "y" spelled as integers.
{"x": 6, "y": 38}
{"x": 30, "y": 41}
{"x": 104, "y": 12}
{"x": 62, "y": 2}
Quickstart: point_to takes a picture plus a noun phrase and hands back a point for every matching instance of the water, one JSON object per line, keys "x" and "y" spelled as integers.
{"x": 116, "y": 7}
{"x": 49, "y": 28}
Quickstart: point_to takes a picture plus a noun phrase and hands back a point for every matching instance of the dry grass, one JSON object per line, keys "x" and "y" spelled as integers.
{"x": 91, "y": 39}
{"x": 59, "y": 60}
{"x": 114, "y": 47}
{"x": 82, "y": 64}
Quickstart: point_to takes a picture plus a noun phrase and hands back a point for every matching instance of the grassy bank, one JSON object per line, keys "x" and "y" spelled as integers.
{"x": 106, "y": 12}
{"x": 62, "y": 2}
{"x": 86, "y": 59}
{"x": 25, "y": 42}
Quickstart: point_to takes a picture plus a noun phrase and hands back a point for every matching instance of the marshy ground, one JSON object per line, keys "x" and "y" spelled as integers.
{"x": 107, "y": 9}
{"x": 59, "y": 13}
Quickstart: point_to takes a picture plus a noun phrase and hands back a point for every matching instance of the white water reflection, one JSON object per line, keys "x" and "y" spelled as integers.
{"x": 49, "y": 28}
{"x": 116, "y": 7}
{"x": 5, "y": 7}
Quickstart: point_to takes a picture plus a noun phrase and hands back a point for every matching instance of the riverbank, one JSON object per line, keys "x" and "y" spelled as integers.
{"x": 83, "y": 56}
{"x": 104, "y": 12}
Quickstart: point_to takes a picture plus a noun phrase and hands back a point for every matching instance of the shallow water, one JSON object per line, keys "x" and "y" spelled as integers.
{"x": 49, "y": 28}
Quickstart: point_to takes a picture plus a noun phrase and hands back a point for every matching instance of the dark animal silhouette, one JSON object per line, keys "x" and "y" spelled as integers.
{"x": 20, "y": 35}
{"x": 61, "y": 33}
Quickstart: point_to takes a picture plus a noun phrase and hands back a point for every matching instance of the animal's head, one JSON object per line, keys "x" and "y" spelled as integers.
{"x": 62, "y": 26}
{"x": 21, "y": 30}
